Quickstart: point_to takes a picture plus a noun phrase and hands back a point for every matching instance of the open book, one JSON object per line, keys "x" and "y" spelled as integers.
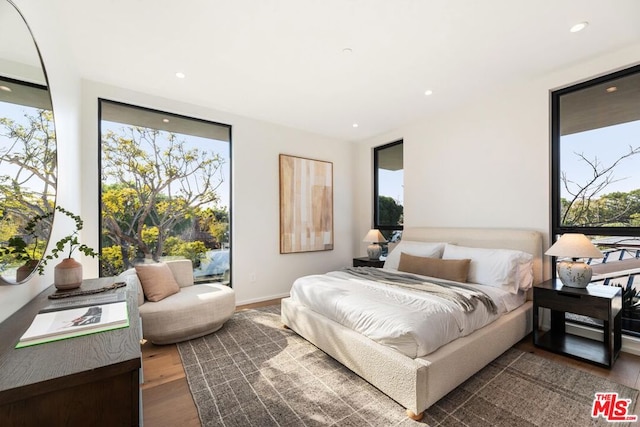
{"x": 73, "y": 322}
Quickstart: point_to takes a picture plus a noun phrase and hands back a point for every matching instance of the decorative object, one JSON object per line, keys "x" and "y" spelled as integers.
{"x": 374, "y": 250}
{"x": 306, "y": 205}
{"x": 68, "y": 274}
{"x": 574, "y": 273}
{"x": 301, "y": 385}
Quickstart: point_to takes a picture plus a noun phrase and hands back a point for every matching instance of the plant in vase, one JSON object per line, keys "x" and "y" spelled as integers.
{"x": 17, "y": 250}
{"x": 29, "y": 254}
{"x": 68, "y": 273}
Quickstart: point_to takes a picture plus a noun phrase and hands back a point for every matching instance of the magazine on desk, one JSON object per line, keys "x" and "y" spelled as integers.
{"x": 74, "y": 322}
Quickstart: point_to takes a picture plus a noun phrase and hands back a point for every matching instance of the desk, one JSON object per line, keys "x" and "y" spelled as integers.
{"x": 92, "y": 380}
{"x": 596, "y": 301}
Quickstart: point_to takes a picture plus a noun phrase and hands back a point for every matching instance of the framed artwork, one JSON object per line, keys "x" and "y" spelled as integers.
{"x": 306, "y": 205}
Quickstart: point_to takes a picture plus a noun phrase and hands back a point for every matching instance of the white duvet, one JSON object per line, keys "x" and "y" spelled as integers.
{"x": 414, "y": 323}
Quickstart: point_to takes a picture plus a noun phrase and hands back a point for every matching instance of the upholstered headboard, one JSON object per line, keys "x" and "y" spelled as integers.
{"x": 495, "y": 238}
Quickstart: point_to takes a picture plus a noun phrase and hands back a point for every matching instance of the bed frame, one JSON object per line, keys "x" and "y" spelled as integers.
{"x": 418, "y": 383}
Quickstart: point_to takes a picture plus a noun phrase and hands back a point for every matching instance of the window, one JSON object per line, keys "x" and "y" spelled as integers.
{"x": 388, "y": 189}
{"x": 596, "y": 173}
{"x": 165, "y": 191}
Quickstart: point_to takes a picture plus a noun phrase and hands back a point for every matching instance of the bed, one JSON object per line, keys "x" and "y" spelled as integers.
{"x": 418, "y": 382}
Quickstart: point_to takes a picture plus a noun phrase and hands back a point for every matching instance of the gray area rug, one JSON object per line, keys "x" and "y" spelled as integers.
{"x": 253, "y": 372}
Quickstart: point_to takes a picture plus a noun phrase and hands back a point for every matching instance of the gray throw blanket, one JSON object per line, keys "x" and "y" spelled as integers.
{"x": 465, "y": 296}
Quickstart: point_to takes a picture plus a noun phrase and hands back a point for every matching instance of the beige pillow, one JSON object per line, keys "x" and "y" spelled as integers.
{"x": 157, "y": 281}
{"x": 450, "y": 269}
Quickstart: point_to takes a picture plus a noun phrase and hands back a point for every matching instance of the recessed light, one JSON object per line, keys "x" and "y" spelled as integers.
{"x": 579, "y": 27}
{"x": 180, "y": 75}
{"x": 5, "y": 88}
{"x": 347, "y": 50}
{"x": 165, "y": 120}
{"x": 355, "y": 125}
{"x": 611, "y": 89}
{"x": 428, "y": 92}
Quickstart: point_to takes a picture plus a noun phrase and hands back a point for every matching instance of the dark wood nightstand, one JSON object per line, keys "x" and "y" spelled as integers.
{"x": 366, "y": 262}
{"x": 596, "y": 301}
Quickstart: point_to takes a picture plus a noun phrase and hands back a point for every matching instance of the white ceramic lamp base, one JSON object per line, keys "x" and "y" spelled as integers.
{"x": 374, "y": 251}
{"x": 574, "y": 274}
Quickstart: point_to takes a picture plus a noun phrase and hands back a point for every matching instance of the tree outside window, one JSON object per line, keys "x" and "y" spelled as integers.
{"x": 165, "y": 191}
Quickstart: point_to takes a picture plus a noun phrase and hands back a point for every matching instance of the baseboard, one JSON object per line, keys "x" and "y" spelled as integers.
{"x": 629, "y": 344}
{"x": 261, "y": 299}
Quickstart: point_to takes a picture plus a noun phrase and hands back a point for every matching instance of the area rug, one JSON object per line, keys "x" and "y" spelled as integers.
{"x": 253, "y": 372}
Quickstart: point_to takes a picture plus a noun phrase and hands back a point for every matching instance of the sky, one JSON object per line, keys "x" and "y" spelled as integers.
{"x": 391, "y": 183}
{"x": 607, "y": 145}
{"x": 204, "y": 144}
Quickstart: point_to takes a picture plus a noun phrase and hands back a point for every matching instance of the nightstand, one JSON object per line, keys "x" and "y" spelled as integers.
{"x": 366, "y": 262}
{"x": 596, "y": 301}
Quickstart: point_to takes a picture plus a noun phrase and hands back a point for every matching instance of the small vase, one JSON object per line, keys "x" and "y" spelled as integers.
{"x": 25, "y": 271}
{"x": 68, "y": 274}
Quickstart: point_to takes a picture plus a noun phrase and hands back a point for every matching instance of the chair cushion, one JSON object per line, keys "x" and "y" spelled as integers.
{"x": 157, "y": 281}
{"x": 193, "y": 312}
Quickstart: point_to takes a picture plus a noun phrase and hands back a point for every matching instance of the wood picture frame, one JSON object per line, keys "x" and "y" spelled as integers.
{"x": 306, "y": 205}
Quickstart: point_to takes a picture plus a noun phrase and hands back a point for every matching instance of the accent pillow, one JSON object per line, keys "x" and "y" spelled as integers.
{"x": 450, "y": 269}
{"x": 157, "y": 281}
{"x": 424, "y": 249}
{"x": 504, "y": 268}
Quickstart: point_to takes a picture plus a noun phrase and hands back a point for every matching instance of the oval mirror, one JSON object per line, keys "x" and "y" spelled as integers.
{"x": 28, "y": 163}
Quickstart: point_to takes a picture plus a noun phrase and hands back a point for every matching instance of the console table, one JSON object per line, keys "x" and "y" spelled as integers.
{"x": 91, "y": 380}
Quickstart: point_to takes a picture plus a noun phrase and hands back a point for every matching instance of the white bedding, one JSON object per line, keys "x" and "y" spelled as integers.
{"x": 412, "y": 322}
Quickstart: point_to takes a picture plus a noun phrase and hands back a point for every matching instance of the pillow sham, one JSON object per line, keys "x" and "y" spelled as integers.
{"x": 450, "y": 269}
{"x": 157, "y": 281}
{"x": 509, "y": 269}
{"x": 411, "y": 247}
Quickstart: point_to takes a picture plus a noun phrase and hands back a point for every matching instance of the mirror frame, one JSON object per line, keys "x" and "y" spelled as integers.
{"x": 41, "y": 228}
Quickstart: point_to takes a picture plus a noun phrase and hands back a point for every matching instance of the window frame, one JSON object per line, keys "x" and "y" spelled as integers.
{"x": 168, "y": 114}
{"x": 556, "y": 205}
{"x": 376, "y": 214}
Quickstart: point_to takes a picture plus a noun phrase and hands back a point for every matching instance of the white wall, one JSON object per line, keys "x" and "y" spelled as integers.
{"x": 486, "y": 164}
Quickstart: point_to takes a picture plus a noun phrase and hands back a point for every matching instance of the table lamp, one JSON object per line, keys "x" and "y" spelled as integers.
{"x": 374, "y": 250}
{"x": 574, "y": 273}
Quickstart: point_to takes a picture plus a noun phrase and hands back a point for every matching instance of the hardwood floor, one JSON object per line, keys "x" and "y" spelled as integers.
{"x": 168, "y": 402}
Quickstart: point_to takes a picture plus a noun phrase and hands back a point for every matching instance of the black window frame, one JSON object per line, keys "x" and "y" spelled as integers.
{"x": 376, "y": 214}
{"x": 556, "y": 206}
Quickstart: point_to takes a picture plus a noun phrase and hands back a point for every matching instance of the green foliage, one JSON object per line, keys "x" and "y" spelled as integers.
{"x": 194, "y": 251}
{"x": 154, "y": 187}
{"x": 617, "y": 209}
{"x": 113, "y": 260}
{"x": 389, "y": 212}
{"x": 630, "y": 300}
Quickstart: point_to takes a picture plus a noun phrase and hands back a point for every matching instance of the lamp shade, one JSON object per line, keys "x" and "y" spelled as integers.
{"x": 574, "y": 245}
{"x": 374, "y": 236}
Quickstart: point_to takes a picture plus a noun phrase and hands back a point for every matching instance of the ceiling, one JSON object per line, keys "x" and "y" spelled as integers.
{"x": 284, "y": 61}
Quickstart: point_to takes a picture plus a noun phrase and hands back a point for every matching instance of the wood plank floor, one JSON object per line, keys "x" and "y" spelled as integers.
{"x": 168, "y": 402}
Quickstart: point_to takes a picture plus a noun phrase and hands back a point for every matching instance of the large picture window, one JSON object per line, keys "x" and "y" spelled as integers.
{"x": 596, "y": 175}
{"x": 165, "y": 191}
{"x": 388, "y": 190}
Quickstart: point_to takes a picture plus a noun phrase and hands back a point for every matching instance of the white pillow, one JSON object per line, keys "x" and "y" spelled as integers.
{"x": 424, "y": 249}
{"x": 504, "y": 268}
